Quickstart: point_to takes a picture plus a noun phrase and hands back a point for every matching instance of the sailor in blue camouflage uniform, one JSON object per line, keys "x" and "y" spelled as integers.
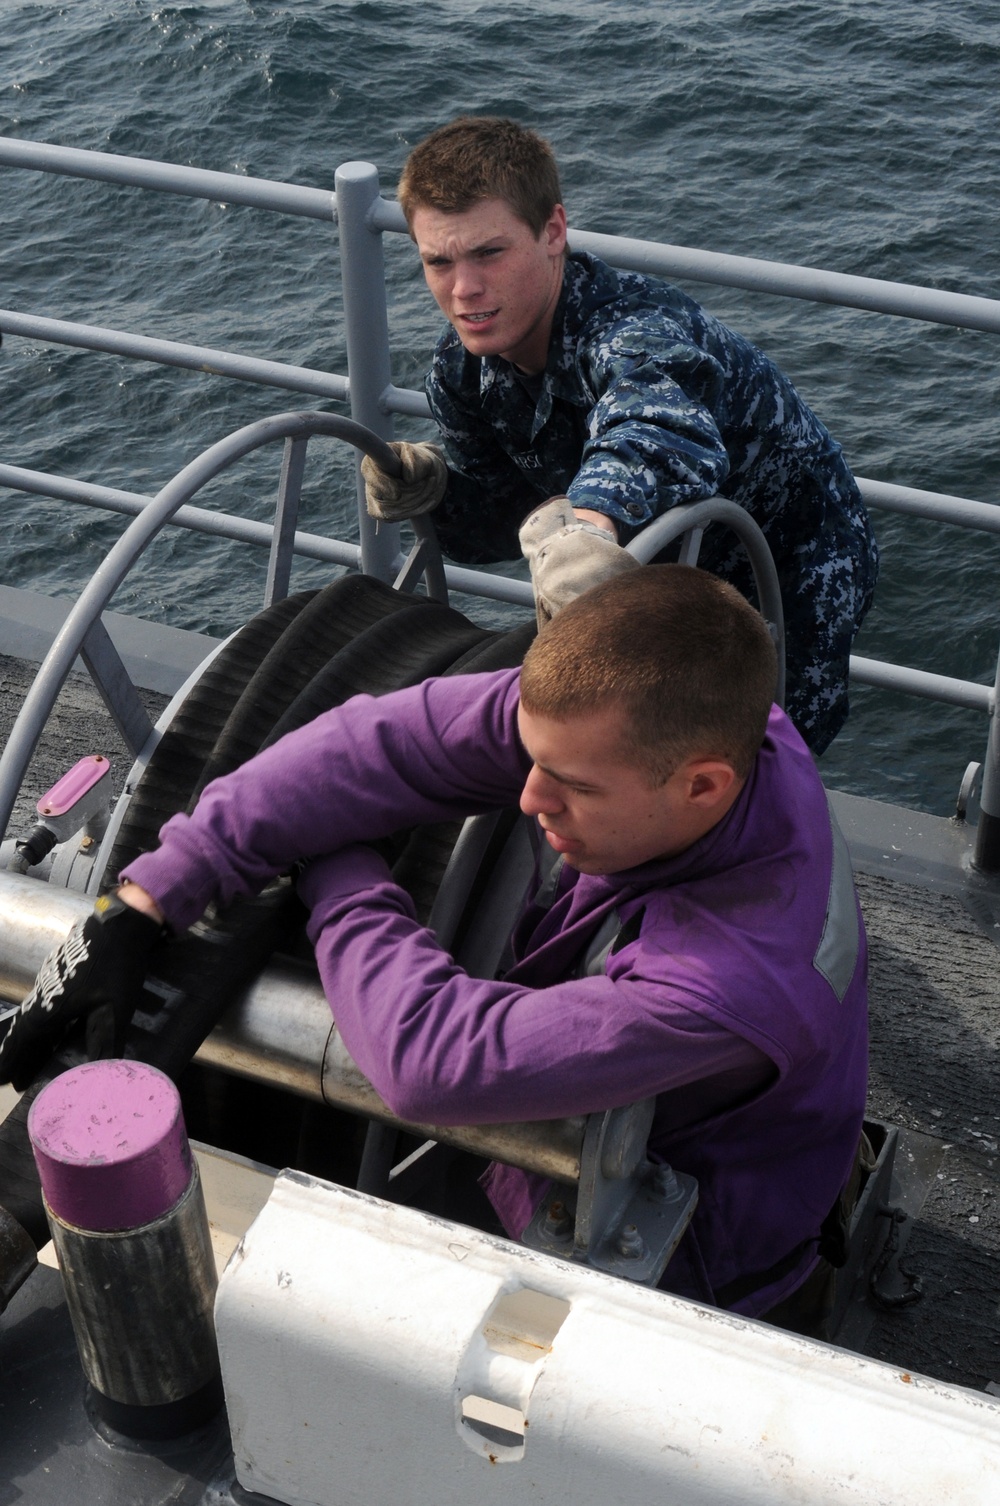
{"x": 622, "y": 397}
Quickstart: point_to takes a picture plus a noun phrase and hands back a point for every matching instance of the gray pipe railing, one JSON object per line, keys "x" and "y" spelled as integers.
{"x": 201, "y": 358}
{"x": 366, "y": 321}
{"x": 750, "y": 273}
{"x": 315, "y": 546}
{"x": 871, "y": 294}
{"x": 129, "y": 547}
{"x": 168, "y": 177}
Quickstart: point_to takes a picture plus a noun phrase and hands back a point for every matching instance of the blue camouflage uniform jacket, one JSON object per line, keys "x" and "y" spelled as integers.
{"x": 648, "y": 401}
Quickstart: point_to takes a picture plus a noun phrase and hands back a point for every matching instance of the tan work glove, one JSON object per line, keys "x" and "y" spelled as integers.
{"x": 417, "y": 490}
{"x": 567, "y": 555}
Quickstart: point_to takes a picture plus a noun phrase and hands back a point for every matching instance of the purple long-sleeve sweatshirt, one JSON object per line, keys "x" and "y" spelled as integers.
{"x": 739, "y": 999}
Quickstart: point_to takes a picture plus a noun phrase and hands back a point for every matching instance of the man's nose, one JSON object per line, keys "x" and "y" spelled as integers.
{"x": 540, "y": 796}
{"x": 468, "y": 282}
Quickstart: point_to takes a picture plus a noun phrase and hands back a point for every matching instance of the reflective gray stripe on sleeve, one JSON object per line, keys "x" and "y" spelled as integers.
{"x": 837, "y": 954}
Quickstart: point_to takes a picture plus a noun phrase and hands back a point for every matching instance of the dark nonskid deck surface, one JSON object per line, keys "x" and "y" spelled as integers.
{"x": 935, "y": 1040}
{"x": 51, "y": 1453}
{"x": 935, "y": 1044}
{"x": 78, "y": 725}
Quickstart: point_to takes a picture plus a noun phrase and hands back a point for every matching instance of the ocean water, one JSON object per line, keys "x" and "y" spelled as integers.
{"x": 838, "y": 135}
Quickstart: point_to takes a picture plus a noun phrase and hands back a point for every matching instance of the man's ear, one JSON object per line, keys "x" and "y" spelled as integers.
{"x": 554, "y": 232}
{"x": 710, "y": 782}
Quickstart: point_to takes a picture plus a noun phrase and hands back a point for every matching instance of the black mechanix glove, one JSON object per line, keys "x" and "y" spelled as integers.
{"x": 98, "y": 971}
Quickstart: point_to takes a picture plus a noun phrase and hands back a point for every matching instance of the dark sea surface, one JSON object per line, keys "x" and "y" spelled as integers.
{"x": 843, "y": 136}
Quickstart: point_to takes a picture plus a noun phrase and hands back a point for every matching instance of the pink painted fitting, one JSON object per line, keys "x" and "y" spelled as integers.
{"x": 74, "y": 784}
{"x": 110, "y": 1145}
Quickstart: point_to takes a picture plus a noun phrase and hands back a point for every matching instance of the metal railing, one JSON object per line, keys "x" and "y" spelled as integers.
{"x": 83, "y": 633}
{"x": 363, "y": 216}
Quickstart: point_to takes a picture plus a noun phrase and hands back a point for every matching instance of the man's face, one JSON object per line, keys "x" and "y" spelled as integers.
{"x": 598, "y": 809}
{"x": 493, "y": 279}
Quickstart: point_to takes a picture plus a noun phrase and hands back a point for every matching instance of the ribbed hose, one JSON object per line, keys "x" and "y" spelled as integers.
{"x": 180, "y": 755}
{"x": 334, "y": 617}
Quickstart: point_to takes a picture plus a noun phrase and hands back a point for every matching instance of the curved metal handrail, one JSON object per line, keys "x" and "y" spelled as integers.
{"x": 130, "y": 546}
{"x": 688, "y": 522}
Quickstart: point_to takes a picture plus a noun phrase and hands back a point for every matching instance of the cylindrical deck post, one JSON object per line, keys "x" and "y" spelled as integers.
{"x": 128, "y": 1221}
{"x": 987, "y": 852}
{"x": 367, "y": 328}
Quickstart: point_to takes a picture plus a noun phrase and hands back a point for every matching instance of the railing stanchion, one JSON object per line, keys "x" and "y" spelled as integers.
{"x": 987, "y": 852}
{"x": 366, "y": 323}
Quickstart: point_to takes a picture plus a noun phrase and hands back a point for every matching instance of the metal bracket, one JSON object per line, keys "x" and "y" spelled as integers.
{"x": 423, "y": 561}
{"x": 627, "y": 1215}
{"x": 968, "y": 792}
{"x": 117, "y": 691}
{"x": 286, "y": 517}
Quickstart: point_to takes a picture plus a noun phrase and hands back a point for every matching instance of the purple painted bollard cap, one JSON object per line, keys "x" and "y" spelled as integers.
{"x": 110, "y": 1145}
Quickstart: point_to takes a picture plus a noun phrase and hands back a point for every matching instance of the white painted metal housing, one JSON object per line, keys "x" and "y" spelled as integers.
{"x": 372, "y": 1354}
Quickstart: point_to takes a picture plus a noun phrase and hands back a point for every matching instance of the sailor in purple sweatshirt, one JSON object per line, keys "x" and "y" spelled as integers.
{"x": 734, "y": 992}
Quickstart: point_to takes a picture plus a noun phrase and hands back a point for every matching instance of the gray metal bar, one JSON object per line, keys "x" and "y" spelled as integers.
{"x": 367, "y": 330}
{"x": 245, "y": 530}
{"x": 112, "y": 571}
{"x": 691, "y": 517}
{"x": 413, "y": 567}
{"x": 434, "y": 574}
{"x": 810, "y": 283}
{"x": 960, "y": 511}
{"x": 690, "y": 546}
{"x": 938, "y": 506}
{"x": 280, "y": 1032}
{"x": 920, "y": 682}
{"x": 279, "y": 566}
{"x": 757, "y": 276}
{"x": 117, "y": 691}
{"x": 200, "y": 519}
{"x": 35, "y": 918}
{"x": 172, "y": 353}
{"x": 752, "y": 273}
{"x": 406, "y": 400}
{"x": 987, "y": 851}
{"x": 551, "y": 1147}
{"x": 963, "y": 512}
{"x": 490, "y": 587}
{"x": 166, "y": 177}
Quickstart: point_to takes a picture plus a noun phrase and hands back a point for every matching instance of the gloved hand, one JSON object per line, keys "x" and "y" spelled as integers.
{"x": 417, "y": 490}
{"x": 567, "y": 555}
{"x": 97, "y": 971}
